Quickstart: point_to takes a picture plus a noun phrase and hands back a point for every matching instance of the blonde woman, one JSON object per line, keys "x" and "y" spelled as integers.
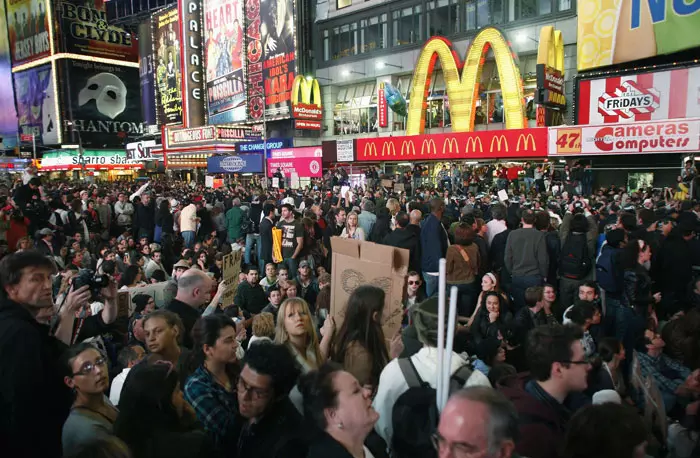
{"x": 263, "y": 328}
{"x": 394, "y": 207}
{"x": 352, "y": 229}
{"x": 295, "y": 329}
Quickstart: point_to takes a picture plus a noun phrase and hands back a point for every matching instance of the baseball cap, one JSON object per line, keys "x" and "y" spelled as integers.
{"x": 46, "y": 231}
{"x": 303, "y": 264}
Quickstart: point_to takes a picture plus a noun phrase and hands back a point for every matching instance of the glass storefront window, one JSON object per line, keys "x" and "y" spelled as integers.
{"x": 343, "y": 4}
{"x": 525, "y": 9}
{"x": 471, "y": 14}
{"x": 407, "y": 25}
{"x": 438, "y": 18}
{"x": 564, "y": 5}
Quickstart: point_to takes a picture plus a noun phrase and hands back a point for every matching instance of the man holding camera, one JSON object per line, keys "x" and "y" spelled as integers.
{"x": 33, "y": 396}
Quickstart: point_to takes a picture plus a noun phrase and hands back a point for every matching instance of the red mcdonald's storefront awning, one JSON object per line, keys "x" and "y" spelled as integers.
{"x": 487, "y": 144}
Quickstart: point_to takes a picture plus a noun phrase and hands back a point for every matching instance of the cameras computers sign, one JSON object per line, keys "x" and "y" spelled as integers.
{"x": 244, "y": 163}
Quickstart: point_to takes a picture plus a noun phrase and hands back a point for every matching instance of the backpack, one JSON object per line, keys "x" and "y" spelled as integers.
{"x": 415, "y": 414}
{"x": 575, "y": 261}
{"x": 607, "y": 272}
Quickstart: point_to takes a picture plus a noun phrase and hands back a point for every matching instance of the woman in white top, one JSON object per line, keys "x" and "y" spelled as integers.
{"x": 352, "y": 229}
{"x": 295, "y": 329}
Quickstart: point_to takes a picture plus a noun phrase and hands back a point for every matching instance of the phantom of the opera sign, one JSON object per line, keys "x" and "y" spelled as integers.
{"x": 85, "y": 30}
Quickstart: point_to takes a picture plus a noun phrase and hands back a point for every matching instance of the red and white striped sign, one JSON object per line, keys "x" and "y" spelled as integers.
{"x": 671, "y": 94}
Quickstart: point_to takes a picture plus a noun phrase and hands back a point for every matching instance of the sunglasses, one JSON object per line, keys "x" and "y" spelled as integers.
{"x": 584, "y": 361}
{"x": 414, "y": 282}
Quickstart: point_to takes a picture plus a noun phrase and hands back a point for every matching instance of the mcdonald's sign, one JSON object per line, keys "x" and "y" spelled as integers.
{"x": 509, "y": 143}
{"x": 451, "y": 143}
{"x": 428, "y": 147}
{"x": 306, "y": 99}
{"x": 526, "y": 140}
{"x": 472, "y": 142}
{"x": 550, "y": 69}
{"x": 388, "y": 149}
{"x": 461, "y": 83}
{"x": 407, "y": 147}
{"x": 500, "y": 141}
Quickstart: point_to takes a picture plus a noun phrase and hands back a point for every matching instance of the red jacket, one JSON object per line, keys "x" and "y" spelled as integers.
{"x": 541, "y": 426}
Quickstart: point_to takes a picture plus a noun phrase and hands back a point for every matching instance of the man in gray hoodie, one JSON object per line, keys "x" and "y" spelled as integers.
{"x": 526, "y": 258}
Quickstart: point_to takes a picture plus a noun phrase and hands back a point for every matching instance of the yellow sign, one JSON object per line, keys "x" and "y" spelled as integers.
{"x": 499, "y": 141}
{"x": 569, "y": 141}
{"x": 462, "y": 84}
{"x": 309, "y": 89}
{"x": 550, "y": 51}
{"x": 406, "y": 146}
{"x": 615, "y": 31}
{"x": 428, "y": 147}
{"x": 449, "y": 145}
{"x": 472, "y": 142}
{"x": 388, "y": 149}
{"x": 525, "y": 140}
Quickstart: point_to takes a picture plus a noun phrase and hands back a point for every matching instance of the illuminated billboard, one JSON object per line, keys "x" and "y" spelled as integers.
{"x": 166, "y": 35}
{"x": 279, "y": 55}
{"x": 224, "y": 60}
{"x": 616, "y": 31}
{"x": 462, "y": 81}
{"x": 28, "y": 27}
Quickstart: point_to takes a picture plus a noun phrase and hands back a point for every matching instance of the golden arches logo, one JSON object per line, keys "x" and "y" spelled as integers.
{"x": 407, "y": 147}
{"x": 472, "y": 143}
{"x": 449, "y": 144}
{"x": 370, "y": 149}
{"x": 309, "y": 89}
{"x": 526, "y": 139}
{"x": 427, "y": 147}
{"x": 550, "y": 51}
{"x": 388, "y": 149}
{"x": 499, "y": 140}
{"x": 462, "y": 84}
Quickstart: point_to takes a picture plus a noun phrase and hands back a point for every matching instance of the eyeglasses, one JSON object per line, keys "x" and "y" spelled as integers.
{"x": 256, "y": 393}
{"x": 88, "y": 367}
{"x": 457, "y": 450}
{"x": 417, "y": 282}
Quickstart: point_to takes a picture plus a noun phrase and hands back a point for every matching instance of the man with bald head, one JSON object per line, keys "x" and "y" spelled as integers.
{"x": 477, "y": 421}
{"x": 193, "y": 293}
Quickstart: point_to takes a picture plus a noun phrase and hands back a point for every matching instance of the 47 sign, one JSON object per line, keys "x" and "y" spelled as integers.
{"x": 568, "y": 141}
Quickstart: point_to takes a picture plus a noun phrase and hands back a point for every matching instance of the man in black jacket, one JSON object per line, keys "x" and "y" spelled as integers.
{"x": 402, "y": 237}
{"x": 272, "y": 427}
{"x": 33, "y": 396}
{"x": 145, "y": 217}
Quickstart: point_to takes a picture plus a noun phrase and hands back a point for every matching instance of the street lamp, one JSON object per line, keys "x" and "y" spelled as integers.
{"x": 81, "y": 158}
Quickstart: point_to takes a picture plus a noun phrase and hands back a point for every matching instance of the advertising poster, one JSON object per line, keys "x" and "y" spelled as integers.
{"x": 192, "y": 55}
{"x": 28, "y": 26}
{"x": 147, "y": 74}
{"x": 103, "y": 102}
{"x": 8, "y": 113}
{"x": 650, "y": 96}
{"x": 36, "y": 104}
{"x": 279, "y": 61}
{"x": 85, "y": 30}
{"x": 670, "y": 136}
{"x": 615, "y": 31}
{"x": 224, "y": 60}
{"x": 304, "y": 162}
{"x": 245, "y": 163}
{"x": 168, "y": 75}
{"x": 254, "y": 61}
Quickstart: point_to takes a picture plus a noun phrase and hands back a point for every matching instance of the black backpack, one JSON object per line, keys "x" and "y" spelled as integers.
{"x": 575, "y": 261}
{"x": 608, "y": 274}
{"x": 415, "y": 414}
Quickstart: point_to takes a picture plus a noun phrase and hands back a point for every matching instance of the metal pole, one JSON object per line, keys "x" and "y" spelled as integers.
{"x": 34, "y": 145}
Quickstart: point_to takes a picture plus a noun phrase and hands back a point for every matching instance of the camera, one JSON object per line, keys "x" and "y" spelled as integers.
{"x": 89, "y": 278}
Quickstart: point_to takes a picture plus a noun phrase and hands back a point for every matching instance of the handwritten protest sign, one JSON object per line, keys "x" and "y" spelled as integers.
{"x": 231, "y": 269}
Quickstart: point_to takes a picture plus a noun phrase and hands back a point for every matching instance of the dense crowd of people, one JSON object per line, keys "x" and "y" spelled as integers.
{"x": 577, "y": 332}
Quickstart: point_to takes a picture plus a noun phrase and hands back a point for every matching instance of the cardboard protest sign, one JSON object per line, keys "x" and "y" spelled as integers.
{"x": 155, "y": 290}
{"x": 399, "y": 187}
{"x": 387, "y": 183}
{"x": 358, "y": 263}
{"x": 231, "y": 269}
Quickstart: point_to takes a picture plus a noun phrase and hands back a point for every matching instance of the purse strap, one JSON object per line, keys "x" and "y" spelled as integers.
{"x": 463, "y": 252}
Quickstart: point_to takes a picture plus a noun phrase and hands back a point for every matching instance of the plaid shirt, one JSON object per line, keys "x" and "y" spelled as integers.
{"x": 668, "y": 373}
{"x": 216, "y": 408}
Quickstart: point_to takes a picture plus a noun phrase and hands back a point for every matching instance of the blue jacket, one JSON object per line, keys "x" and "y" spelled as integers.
{"x": 433, "y": 241}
